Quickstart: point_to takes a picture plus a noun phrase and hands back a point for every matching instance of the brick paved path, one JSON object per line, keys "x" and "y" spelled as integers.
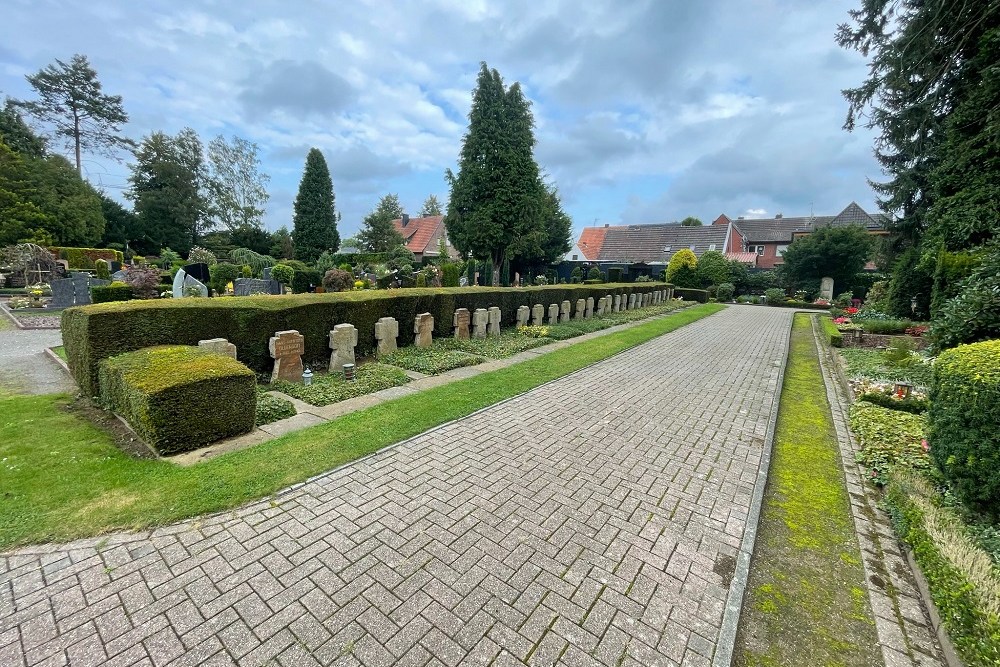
{"x": 592, "y": 521}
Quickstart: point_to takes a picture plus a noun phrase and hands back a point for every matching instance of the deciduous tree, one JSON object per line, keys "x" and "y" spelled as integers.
{"x": 835, "y": 252}
{"x": 431, "y": 206}
{"x": 378, "y": 234}
{"x": 237, "y": 188}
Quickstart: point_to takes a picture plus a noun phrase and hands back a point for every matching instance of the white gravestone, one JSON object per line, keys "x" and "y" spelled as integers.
{"x": 480, "y": 320}
{"x": 386, "y": 332}
{"x": 343, "y": 339}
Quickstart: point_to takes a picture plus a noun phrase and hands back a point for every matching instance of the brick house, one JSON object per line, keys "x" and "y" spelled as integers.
{"x": 423, "y": 235}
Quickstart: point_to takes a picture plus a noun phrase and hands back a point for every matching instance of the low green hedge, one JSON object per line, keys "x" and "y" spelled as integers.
{"x": 86, "y": 258}
{"x": 96, "y": 332}
{"x": 964, "y": 418}
{"x": 178, "y": 398}
{"x": 109, "y": 293}
{"x": 833, "y": 335}
{"x": 699, "y": 295}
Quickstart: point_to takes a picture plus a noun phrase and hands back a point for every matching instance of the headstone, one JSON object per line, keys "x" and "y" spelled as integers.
{"x": 178, "y": 288}
{"x": 631, "y": 301}
{"x": 608, "y": 300}
{"x": 494, "y": 314}
{"x": 218, "y": 346}
{"x": 286, "y": 348}
{"x": 191, "y": 283}
{"x": 81, "y": 290}
{"x": 423, "y": 327}
{"x": 645, "y": 299}
{"x": 480, "y": 321}
{"x": 115, "y": 267}
{"x": 618, "y": 303}
{"x": 386, "y": 332}
{"x": 343, "y": 339}
{"x": 266, "y": 273}
{"x": 63, "y": 293}
{"x": 581, "y": 305}
{"x": 461, "y": 323}
{"x": 826, "y": 289}
{"x": 589, "y": 310}
{"x": 523, "y": 315}
{"x": 538, "y": 315}
{"x": 564, "y": 311}
{"x": 198, "y": 271}
{"x": 118, "y": 275}
{"x": 553, "y": 314}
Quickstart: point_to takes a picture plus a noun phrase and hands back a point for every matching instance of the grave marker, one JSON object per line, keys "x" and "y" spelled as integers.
{"x": 494, "y": 315}
{"x": 564, "y": 311}
{"x": 386, "y": 331}
{"x": 589, "y": 310}
{"x": 538, "y": 315}
{"x": 480, "y": 321}
{"x": 343, "y": 339}
{"x": 286, "y": 348}
{"x": 460, "y": 321}
{"x": 423, "y": 326}
{"x": 523, "y": 314}
{"x": 218, "y": 346}
{"x": 553, "y": 314}
{"x": 581, "y": 305}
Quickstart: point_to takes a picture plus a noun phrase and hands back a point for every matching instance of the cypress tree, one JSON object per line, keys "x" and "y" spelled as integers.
{"x": 315, "y": 219}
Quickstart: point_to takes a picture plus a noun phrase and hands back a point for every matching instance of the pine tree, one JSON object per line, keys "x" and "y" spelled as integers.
{"x": 315, "y": 220}
{"x": 431, "y": 207}
{"x": 378, "y": 234}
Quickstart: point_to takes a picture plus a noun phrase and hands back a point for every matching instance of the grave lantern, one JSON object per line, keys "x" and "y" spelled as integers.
{"x": 307, "y": 376}
{"x": 349, "y": 372}
{"x": 902, "y": 389}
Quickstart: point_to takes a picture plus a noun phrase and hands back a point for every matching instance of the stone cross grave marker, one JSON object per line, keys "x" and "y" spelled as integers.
{"x": 461, "y": 321}
{"x": 607, "y": 304}
{"x": 618, "y": 303}
{"x": 564, "y": 311}
{"x": 218, "y": 346}
{"x": 631, "y": 301}
{"x": 589, "y": 310}
{"x": 553, "y": 314}
{"x": 286, "y": 349}
{"x": 480, "y": 320}
{"x": 826, "y": 289}
{"x": 523, "y": 314}
{"x": 386, "y": 332}
{"x": 538, "y": 315}
{"x": 494, "y": 314}
{"x": 343, "y": 340}
{"x": 581, "y": 304}
{"x": 423, "y": 326}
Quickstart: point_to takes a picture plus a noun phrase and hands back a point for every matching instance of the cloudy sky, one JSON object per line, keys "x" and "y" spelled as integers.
{"x": 646, "y": 111}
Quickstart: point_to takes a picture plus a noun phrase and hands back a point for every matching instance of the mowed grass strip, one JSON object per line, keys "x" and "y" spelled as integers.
{"x": 806, "y": 601}
{"x": 61, "y": 477}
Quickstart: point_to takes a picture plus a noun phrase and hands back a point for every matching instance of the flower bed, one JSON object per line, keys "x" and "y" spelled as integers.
{"x": 333, "y": 388}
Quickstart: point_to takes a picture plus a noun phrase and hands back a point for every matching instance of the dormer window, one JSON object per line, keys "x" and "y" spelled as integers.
{"x": 666, "y": 249}
{"x": 711, "y": 246}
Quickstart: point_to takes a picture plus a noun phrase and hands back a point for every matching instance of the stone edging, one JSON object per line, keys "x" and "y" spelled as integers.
{"x": 901, "y": 619}
{"x": 724, "y": 647}
{"x": 17, "y": 323}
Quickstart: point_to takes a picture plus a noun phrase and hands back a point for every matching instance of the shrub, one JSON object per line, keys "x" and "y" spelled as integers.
{"x": 144, "y": 281}
{"x": 974, "y": 314}
{"x": 886, "y": 327}
{"x": 283, "y": 273}
{"x": 306, "y": 280}
{"x": 577, "y": 274}
{"x": 843, "y": 299}
{"x": 336, "y": 280}
{"x": 92, "y": 333}
{"x": 888, "y": 438}
{"x": 699, "y": 295}
{"x": 774, "y": 295}
{"x": 103, "y": 270}
{"x": 614, "y": 275}
{"x": 912, "y": 404}
{"x": 222, "y": 275}
{"x": 595, "y": 274}
{"x": 199, "y": 255}
{"x": 682, "y": 270}
{"x": 86, "y": 258}
{"x": 450, "y": 275}
{"x": 421, "y": 280}
{"x": 964, "y": 414}
{"x": 725, "y": 291}
{"x": 713, "y": 268}
{"x": 833, "y": 335}
{"x": 116, "y": 291}
{"x": 325, "y": 262}
{"x": 163, "y": 393}
{"x": 246, "y": 271}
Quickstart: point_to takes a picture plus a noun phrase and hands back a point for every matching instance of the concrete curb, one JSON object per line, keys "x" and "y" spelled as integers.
{"x": 726, "y": 644}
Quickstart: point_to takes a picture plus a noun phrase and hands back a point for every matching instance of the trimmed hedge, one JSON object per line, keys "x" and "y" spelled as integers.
{"x": 178, "y": 398}
{"x": 964, "y": 420}
{"x": 86, "y": 258}
{"x": 96, "y": 332}
{"x": 688, "y": 294}
{"x": 109, "y": 293}
{"x": 833, "y": 335}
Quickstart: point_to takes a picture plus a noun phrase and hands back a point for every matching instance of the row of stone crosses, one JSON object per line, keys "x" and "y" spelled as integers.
{"x": 287, "y": 347}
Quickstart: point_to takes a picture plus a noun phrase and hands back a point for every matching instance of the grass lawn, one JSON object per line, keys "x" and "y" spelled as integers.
{"x": 806, "y": 594}
{"x": 61, "y": 477}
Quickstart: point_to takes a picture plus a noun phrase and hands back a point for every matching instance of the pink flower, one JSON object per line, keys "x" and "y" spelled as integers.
{"x": 925, "y": 445}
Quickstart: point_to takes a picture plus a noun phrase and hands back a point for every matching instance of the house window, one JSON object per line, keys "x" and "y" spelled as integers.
{"x": 666, "y": 249}
{"x": 576, "y": 257}
{"x": 711, "y": 246}
{"x": 781, "y": 249}
{"x": 757, "y": 249}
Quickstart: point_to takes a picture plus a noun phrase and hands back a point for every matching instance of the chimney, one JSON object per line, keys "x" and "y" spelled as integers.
{"x": 405, "y": 220}
{"x": 606, "y": 225}
{"x": 779, "y": 216}
{"x": 740, "y": 218}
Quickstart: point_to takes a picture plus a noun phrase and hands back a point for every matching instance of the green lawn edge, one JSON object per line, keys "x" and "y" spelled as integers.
{"x": 81, "y": 485}
{"x": 806, "y": 593}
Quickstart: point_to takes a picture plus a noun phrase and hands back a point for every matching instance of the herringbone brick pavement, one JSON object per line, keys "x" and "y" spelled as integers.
{"x": 592, "y": 521}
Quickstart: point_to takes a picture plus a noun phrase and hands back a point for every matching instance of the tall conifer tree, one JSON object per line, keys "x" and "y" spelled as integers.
{"x": 315, "y": 219}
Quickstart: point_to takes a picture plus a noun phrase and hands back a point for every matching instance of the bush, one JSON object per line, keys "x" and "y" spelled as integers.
{"x": 420, "y": 281}
{"x": 964, "y": 414}
{"x": 222, "y": 275}
{"x": 337, "y": 280}
{"x": 116, "y": 291}
{"x": 103, "y": 270}
{"x": 271, "y": 408}
{"x": 92, "y": 333}
{"x": 450, "y": 275}
{"x": 886, "y": 327}
{"x": 888, "y": 438}
{"x": 844, "y": 299}
{"x": 713, "y": 268}
{"x": 283, "y": 273}
{"x": 774, "y": 295}
{"x": 699, "y": 295}
{"x": 682, "y": 270}
{"x": 306, "y": 280}
{"x": 912, "y": 404}
{"x": 163, "y": 393}
{"x": 614, "y": 275}
{"x": 974, "y": 314}
{"x": 144, "y": 281}
{"x": 86, "y": 258}
{"x": 833, "y": 335}
{"x": 199, "y": 255}
{"x": 725, "y": 291}
{"x": 595, "y": 274}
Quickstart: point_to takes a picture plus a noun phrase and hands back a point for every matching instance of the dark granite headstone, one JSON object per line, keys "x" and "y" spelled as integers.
{"x": 115, "y": 267}
{"x": 63, "y": 293}
{"x": 199, "y": 272}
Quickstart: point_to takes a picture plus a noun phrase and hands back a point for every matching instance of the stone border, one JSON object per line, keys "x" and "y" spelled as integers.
{"x": 726, "y": 643}
{"x": 308, "y": 415}
{"x": 900, "y": 612}
{"x": 17, "y": 323}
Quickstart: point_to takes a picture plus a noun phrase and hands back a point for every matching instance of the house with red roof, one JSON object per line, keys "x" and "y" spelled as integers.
{"x": 423, "y": 236}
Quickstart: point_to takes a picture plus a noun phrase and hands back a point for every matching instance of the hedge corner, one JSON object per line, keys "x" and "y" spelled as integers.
{"x": 178, "y": 398}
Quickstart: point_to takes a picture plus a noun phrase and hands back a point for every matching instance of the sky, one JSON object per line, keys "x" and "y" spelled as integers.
{"x": 646, "y": 111}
